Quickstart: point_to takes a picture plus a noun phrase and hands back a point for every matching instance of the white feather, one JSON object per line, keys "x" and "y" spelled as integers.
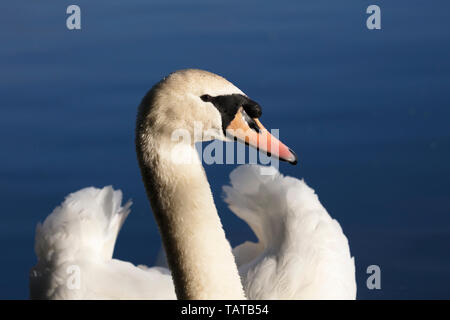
{"x": 74, "y": 247}
{"x": 301, "y": 252}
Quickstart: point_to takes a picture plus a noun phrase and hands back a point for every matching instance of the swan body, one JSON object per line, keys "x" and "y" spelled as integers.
{"x": 301, "y": 251}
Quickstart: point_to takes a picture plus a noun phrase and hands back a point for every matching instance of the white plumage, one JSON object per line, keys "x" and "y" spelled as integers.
{"x": 302, "y": 252}
{"x": 74, "y": 247}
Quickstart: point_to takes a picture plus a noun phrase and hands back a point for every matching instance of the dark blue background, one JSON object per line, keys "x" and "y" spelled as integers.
{"x": 367, "y": 112}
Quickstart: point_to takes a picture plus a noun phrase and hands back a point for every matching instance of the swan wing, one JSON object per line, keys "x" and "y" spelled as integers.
{"x": 74, "y": 247}
{"x": 301, "y": 252}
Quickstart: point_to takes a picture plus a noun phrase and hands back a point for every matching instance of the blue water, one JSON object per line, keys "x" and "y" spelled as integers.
{"x": 367, "y": 112}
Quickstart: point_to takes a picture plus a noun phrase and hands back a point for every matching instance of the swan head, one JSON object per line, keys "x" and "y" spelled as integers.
{"x": 205, "y": 106}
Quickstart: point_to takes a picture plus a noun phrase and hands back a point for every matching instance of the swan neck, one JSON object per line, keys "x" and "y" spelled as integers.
{"x": 199, "y": 255}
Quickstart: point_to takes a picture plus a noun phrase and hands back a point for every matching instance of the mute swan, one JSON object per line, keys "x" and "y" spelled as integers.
{"x": 301, "y": 251}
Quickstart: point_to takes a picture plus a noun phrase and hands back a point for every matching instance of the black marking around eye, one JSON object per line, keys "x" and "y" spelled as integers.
{"x": 206, "y": 98}
{"x": 228, "y": 105}
{"x": 252, "y": 108}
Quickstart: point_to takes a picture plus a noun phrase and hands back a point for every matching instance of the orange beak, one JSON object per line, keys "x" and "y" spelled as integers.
{"x": 251, "y": 132}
